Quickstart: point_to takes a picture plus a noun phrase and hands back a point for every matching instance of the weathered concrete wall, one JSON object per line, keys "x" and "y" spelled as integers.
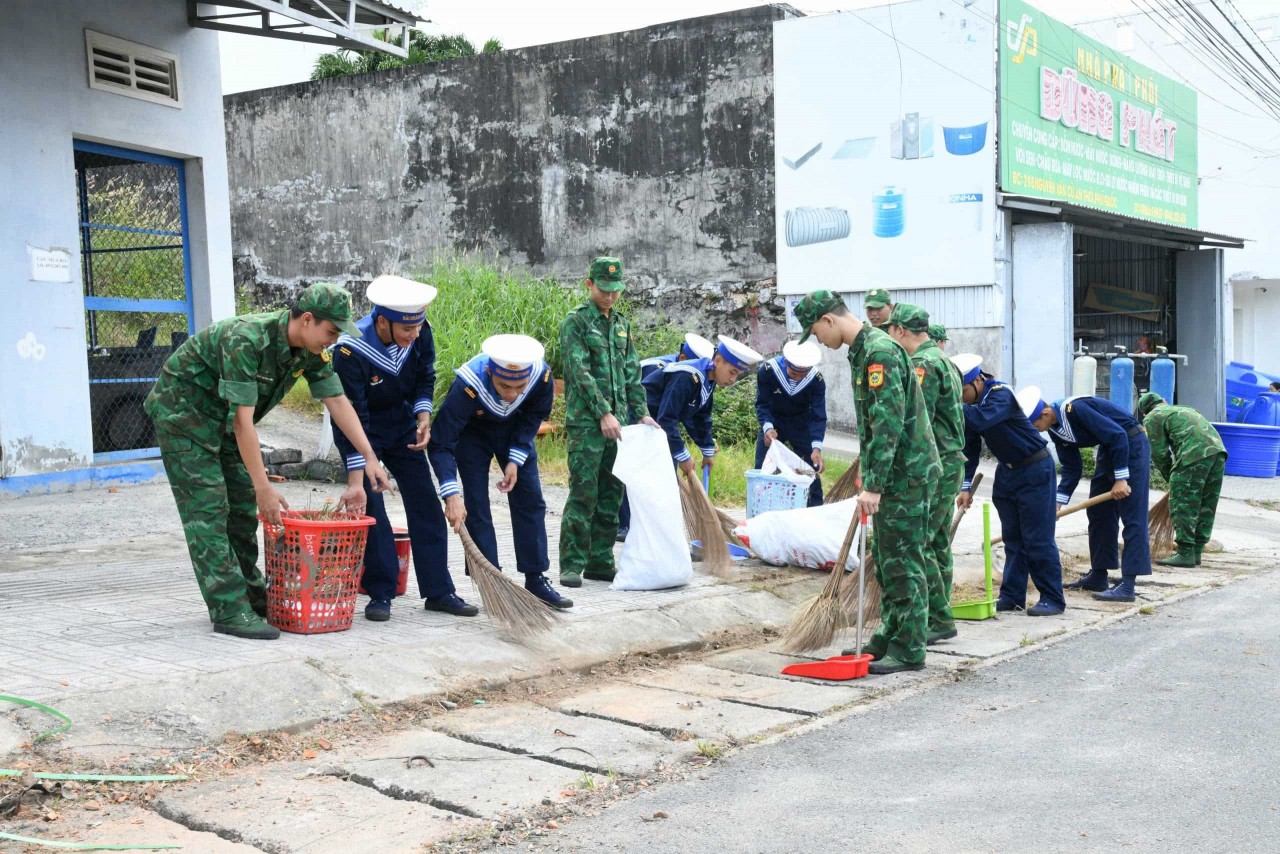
{"x": 654, "y": 144}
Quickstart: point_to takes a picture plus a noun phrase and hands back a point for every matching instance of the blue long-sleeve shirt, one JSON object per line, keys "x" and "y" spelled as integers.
{"x": 1086, "y": 422}
{"x": 474, "y": 405}
{"x": 999, "y": 420}
{"x": 387, "y": 385}
{"x": 797, "y": 409}
{"x": 683, "y": 393}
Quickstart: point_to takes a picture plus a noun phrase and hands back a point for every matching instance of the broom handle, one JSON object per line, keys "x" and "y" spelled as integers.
{"x": 973, "y": 490}
{"x": 1074, "y": 508}
{"x": 847, "y": 545}
{"x": 986, "y": 547}
{"x": 862, "y": 580}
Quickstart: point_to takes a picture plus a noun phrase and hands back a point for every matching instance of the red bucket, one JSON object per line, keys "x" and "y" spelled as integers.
{"x": 313, "y": 568}
{"x": 403, "y": 552}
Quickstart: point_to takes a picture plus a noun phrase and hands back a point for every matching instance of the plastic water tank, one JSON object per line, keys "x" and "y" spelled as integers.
{"x": 1084, "y": 375}
{"x": 1264, "y": 411}
{"x": 1164, "y": 375}
{"x": 1122, "y": 381}
{"x": 888, "y": 213}
{"x": 1253, "y": 450}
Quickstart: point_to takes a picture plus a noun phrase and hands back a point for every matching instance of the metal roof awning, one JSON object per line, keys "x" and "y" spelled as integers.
{"x": 1118, "y": 226}
{"x": 336, "y": 23}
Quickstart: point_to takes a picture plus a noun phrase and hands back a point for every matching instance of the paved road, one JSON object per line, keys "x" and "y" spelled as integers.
{"x": 1161, "y": 734}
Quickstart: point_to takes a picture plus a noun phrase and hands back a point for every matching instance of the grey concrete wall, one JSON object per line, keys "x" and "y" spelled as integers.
{"x": 655, "y": 145}
{"x": 44, "y": 386}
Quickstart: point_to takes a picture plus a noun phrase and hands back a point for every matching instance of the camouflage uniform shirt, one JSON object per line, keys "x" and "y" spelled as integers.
{"x": 1180, "y": 435}
{"x": 940, "y": 384}
{"x": 240, "y": 361}
{"x": 898, "y": 451}
{"x": 601, "y": 369}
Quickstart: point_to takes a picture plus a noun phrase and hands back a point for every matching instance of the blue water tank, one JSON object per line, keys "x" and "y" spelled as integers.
{"x": 1265, "y": 411}
{"x": 888, "y": 214}
{"x": 1122, "y": 381}
{"x": 1163, "y": 375}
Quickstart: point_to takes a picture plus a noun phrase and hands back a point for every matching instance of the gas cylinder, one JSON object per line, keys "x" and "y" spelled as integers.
{"x": 1122, "y": 380}
{"x": 1084, "y": 375}
{"x": 1163, "y": 375}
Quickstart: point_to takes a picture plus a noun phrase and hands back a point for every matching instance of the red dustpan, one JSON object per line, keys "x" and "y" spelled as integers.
{"x": 841, "y": 668}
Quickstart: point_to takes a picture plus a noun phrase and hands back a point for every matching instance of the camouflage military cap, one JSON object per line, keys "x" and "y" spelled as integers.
{"x": 877, "y": 298}
{"x": 329, "y": 302}
{"x": 910, "y": 317}
{"x": 606, "y": 272}
{"x": 938, "y": 332}
{"x": 1148, "y": 402}
{"x": 810, "y": 309}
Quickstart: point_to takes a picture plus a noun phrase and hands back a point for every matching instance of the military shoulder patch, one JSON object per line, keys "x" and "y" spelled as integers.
{"x": 297, "y": 374}
{"x": 345, "y": 351}
{"x": 920, "y": 376}
{"x": 326, "y": 356}
{"x": 1068, "y": 407}
{"x": 875, "y": 375}
{"x": 471, "y": 393}
{"x": 546, "y": 376}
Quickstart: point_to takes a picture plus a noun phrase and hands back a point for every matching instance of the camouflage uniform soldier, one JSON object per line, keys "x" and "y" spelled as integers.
{"x": 942, "y": 389}
{"x": 938, "y": 334}
{"x": 899, "y": 465}
{"x": 601, "y": 385}
{"x": 210, "y": 393}
{"x": 1189, "y": 454}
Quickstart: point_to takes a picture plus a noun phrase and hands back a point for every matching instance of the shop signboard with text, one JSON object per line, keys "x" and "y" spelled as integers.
{"x": 1085, "y": 124}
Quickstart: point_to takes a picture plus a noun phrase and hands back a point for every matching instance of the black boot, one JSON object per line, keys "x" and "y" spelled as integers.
{"x": 1095, "y": 581}
{"x": 540, "y": 587}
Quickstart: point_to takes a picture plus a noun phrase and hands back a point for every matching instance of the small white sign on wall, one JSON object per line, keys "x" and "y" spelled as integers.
{"x": 49, "y": 265}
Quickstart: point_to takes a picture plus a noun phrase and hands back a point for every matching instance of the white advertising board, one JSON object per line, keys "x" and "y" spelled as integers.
{"x": 885, "y": 144}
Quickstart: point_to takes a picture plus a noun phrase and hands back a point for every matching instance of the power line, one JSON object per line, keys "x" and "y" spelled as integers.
{"x": 1240, "y": 66}
{"x": 1252, "y": 30}
{"x": 1246, "y": 41}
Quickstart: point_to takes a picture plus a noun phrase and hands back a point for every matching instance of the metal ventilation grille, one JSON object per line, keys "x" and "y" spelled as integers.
{"x": 132, "y": 69}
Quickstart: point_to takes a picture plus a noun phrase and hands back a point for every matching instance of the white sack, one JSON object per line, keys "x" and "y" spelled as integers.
{"x": 784, "y": 462}
{"x": 809, "y": 537}
{"x": 656, "y": 554}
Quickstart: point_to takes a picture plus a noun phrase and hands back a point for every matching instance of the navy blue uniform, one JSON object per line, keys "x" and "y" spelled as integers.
{"x": 388, "y": 386}
{"x": 1022, "y": 493}
{"x": 656, "y": 363}
{"x": 474, "y": 427}
{"x": 1123, "y": 454}
{"x": 797, "y": 409}
{"x": 683, "y": 393}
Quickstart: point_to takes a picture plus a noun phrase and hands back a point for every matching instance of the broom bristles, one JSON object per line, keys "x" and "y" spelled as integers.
{"x": 847, "y": 486}
{"x": 817, "y": 621}
{"x": 704, "y": 525}
{"x": 511, "y": 606}
{"x": 1160, "y": 529}
{"x": 870, "y": 596}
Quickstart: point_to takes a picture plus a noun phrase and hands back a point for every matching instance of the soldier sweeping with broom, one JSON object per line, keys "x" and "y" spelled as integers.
{"x": 493, "y": 411}
{"x": 899, "y": 468}
{"x": 1189, "y": 454}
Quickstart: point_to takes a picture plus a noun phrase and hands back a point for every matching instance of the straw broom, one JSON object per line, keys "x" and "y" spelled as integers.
{"x": 848, "y": 485}
{"x": 1160, "y": 529}
{"x": 703, "y": 524}
{"x": 512, "y": 607}
{"x": 821, "y": 617}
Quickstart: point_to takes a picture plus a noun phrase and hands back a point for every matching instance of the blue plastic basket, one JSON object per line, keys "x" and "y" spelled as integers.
{"x": 767, "y": 492}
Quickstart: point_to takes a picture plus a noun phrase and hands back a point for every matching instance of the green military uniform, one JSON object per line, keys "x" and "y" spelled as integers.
{"x": 1189, "y": 454}
{"x": 601, "y": 376}
{"x": 899, "y": 461}
{"x": 238, "y": 361}
{"x": 941, "y": 388}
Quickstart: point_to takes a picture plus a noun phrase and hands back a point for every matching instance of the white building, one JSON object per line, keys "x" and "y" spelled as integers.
{"x": 115, "y": 232}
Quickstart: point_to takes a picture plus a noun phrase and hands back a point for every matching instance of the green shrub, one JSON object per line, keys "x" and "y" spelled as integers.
{"x": 733, "y": 418}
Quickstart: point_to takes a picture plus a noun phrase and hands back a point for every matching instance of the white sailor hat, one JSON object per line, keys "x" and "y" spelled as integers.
{"x": 970, "y": 365}
{"x": 697, "y": 347}
{"x": 1030, "y": 402}
{"x": 512, "y": 357}
{"x": 400, "y": 300}
{"x": 801, "y": 356}
{"x": 738, "y": 354}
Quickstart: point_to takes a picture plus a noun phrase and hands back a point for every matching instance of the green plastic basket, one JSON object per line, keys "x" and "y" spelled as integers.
{"x": 982, "y": 609}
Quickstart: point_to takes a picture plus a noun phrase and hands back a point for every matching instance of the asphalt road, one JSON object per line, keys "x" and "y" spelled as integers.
{"x": 1159, "y": 734}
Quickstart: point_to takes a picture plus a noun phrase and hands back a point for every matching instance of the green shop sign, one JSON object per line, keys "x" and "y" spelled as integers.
{"x": 1082, "y": 123}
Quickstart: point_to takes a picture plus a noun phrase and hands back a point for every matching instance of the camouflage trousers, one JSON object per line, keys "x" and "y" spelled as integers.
{"x": 218, "y": 508}
{"x": 938, "y": 565}
{"x": 899, "y": 550}
{"x": 1193, "y": 499}
{"x": 589, "y": 525}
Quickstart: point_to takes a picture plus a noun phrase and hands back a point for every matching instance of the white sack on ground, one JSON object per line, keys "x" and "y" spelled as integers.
{"x": 656, "y": 554}
{"x": 809, "y": 537}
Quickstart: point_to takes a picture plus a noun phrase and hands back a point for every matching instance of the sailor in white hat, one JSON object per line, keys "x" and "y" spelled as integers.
{"x": 493, "y": 410}
{"x": 791, "y": 405}
{"x": 388, "y": 372}
{"x": 682, "y": 393}
{"x": 1023, "y": 489}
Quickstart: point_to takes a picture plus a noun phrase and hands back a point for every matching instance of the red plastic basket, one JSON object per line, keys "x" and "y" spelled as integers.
{"x": 313, "y": 570}
{"x": 404, "y": 551}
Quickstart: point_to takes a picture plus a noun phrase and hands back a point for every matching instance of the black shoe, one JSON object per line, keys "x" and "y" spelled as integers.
{"x": 886, "y": 666}
{"x": 622, "y": 534}
{"x": 540, "y": 587}
{"x": 571, "y": 581}
{"x": 1093, "y": 581}
{"x": 865, "y": 651}
{"x": 1044, "y": 609}
{"x": 247, "y": 625}
{"x": 1006, "y": 605}
{"x": 1122, "y": 592}
{"x": 940, "y": 637}
{"x": 378, "y": 610}
{"x": 598, "y": 576}
{"x": 451, "y": 603}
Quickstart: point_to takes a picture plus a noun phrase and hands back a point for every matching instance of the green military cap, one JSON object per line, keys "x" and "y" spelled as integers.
{"x": 910, "y": 317}
{"x": 1148, "y": 402}
{"x": 329, "y": 302}
{"x": 810, "y": 309}
{"x": 938, "y": 332}
{"x": 877, "y": 298}
{"x": 606, "y": 272}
